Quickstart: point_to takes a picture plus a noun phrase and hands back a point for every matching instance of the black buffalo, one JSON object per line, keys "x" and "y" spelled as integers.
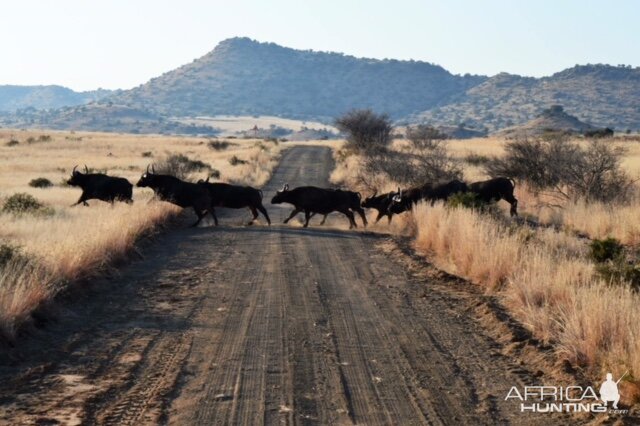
{"x": 440, "y": 191}
{"x": 98, "y": 186}
{"x": 380, "y": 203}
{"x": 173, "y": 190}
{"x": 496, "y": 189}
{"x": 310, "y": 200}
{"x": 353, "y": 199}
{"x": 235, "y": 197}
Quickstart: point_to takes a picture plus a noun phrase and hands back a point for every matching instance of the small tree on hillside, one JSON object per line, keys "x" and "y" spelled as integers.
{"x": 365, "y": 130}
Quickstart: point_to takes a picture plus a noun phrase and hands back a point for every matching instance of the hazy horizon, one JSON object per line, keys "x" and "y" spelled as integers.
{"x": 120, "y": 45}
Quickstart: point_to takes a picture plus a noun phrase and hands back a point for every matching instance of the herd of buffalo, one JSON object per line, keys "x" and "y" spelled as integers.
{"x": 205, "y": 196}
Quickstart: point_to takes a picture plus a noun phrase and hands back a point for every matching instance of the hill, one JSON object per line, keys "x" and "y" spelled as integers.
{"x": 13, "y": 98}
{"x": 553, "y": 119}
{"x": 602, "y": 95}
{"x": 105, "y": 117}
{"x": 244, "y": 77}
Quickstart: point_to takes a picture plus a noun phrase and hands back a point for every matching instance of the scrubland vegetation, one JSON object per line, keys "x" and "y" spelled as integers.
{"x": 567, "y": 269}
{"x": 46, "y": 246}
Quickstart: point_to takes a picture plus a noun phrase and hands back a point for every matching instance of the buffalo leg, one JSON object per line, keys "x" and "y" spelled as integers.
{"x": 81, "y": 200}
{"x": 363, "y": 216}
{"x": 254, "y": 212}
{"x": 293, "y": 213}
{"x": 307, "y": 216}
{"x": 352, "y": 220}
{"x": 389, "y": 216}
{"x": 212, "y": 211}
{"x": 200, "y": 215}
{"x": 262, "y": 210}
{"x": 514, "y": 205}
{"x": 380, "y": 216}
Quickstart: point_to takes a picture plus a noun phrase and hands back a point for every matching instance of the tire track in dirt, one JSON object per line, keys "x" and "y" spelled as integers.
{"x": 250, "y": 325}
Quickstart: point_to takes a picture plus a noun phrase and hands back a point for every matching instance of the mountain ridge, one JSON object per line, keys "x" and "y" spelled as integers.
{"x": 241, "y": 76}
{"x": 14, "y": 97}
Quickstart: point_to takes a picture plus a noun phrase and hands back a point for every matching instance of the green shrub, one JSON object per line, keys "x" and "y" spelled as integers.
{"x": 611, "y": 263}
{"x": 8, "y": 252}
{"x": 215, "y": 174}
{"x": 220, "y": 145}
{"x": 147, "y": 154}
{"x": 41, "y": 138}
{"x": 12, "y": 142}
{"x": 40, "y": 183}
{"x": 23, "y": 203}
{"x": 234, "y": 161}
{"x": 620, "y": 271}
{"x": 608, "y": 249}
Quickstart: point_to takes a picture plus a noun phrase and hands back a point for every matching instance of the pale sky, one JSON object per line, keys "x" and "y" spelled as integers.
{"x": 86, "y": 44}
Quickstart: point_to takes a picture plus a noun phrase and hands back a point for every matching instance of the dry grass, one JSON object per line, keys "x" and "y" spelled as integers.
{"x": 543, "y": 276}
{"x": 232, "y": 125}
{"x": 544, "y": 279}
{"x": 77, "y": 243}
{"x": 597, "y": 220}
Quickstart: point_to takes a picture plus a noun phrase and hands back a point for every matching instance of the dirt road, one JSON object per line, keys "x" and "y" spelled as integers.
{"x": 250, "y": 325}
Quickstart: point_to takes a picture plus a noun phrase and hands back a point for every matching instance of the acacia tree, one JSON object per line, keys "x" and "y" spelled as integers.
{"x": 365, "y": 130}
{"x": 566, "y": 170}
{"x": 424, "y": 136}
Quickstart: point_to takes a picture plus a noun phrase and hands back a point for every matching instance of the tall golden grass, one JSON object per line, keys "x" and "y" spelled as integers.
{"x": 76, "y": 243}
{"x": 543, "y": 276}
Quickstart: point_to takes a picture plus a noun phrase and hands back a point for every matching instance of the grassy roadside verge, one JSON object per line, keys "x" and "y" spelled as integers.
{"x": 47, "y": 251}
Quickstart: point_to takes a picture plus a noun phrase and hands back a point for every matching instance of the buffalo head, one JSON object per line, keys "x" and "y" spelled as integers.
{"x": 77, "y": 178}
{"x": 280, "y": 196}
{"x": 147, "y": 177}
